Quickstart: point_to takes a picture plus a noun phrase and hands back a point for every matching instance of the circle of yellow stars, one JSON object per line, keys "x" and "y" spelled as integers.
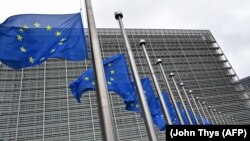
{"x": 109, "y": 80}
{"x": 48, "y": 28}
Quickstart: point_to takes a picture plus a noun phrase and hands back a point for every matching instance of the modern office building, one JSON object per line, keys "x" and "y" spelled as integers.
{"x": 36, "y": 103}
{"x": 245, "y": 82}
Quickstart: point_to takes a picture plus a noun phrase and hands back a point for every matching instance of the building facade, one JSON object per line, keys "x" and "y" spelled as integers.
{"x": 36, "y": 103}
{"x": 245, "y": 83}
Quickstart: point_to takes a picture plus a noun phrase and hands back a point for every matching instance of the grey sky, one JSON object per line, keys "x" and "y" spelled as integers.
{"x": 228, "y": 20}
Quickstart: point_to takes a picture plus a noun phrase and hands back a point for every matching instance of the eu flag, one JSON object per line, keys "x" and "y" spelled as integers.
{"x": 206, "y": 122}
{"x": 192, "y": 117}
{"x": 117, "y": 78}
{"x": 153, "y": 104}
{"x": 183, "y": 114}
{"x": 30, "y": 39}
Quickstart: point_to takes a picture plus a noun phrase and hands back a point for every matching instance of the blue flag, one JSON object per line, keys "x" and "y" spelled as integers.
{"x": 170, "y": 107}
{"x": 206, "y": 122}
{"x": 172, "y": 112}
{"x": 152, "y": 101}
{"x": 117, "y": 78}
{"x": 183, "y": 114}
{"x": 192, "y": 117}
{"x": 30, "y": 39}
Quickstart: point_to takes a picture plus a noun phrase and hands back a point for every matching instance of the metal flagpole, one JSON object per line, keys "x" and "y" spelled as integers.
{"x": 171, "y": 75}
{"x": 144, "y": 105}
{"x": 196, "y": 106}
{"x": 233, "y": 120}
{"x": 223, "y": 121}
{"x": 198, "y": 99}
{"x": 159, "y": 62}
{"x": 204, "y": 103}
{"x": 216, "y": 122}
{"x": 158, "y": 89}
{"x": 229, "y": 120}
{"x": 219, "y": 121}
{"x": 236, "y": 121}
{"x": 225, "y": 118}
{"x": 100, "y": 80}
{"x": 188, "y": 115}
{"x": 179, "y": 94}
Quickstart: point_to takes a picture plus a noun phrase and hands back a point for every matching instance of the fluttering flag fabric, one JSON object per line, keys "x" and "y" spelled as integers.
{"x": 170, "y": 107}
{"x": 172, "y": 112}
{"x": 119, "y": 81}
{"x": 117, "y": 78}
{"x": 183, "y": 114}
{"x": 206, "y": 122}
{"x": 30, "y": 39}
{"x": 153, "y": 104}
{"x": 192, "y": 117}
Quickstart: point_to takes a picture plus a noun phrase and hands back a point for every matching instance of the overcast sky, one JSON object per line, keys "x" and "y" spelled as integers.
{"x": 228, "y": 20}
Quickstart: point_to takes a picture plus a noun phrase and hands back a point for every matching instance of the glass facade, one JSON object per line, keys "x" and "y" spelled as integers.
{"x": 245, "y": 83}
{"x": 36, "y": 103}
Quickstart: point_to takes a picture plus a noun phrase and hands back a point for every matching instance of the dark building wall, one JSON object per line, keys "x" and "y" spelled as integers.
{"x": 36, "y": 104}
{"x": 245, "y": 82}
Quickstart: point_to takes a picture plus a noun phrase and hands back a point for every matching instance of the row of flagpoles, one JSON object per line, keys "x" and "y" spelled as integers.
{"x": 102, "y": 91}
{"x": 105, "y": 115}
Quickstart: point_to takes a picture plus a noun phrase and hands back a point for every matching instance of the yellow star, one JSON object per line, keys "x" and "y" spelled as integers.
{"x": 31, "y": 60}
{"x": 19, "y": 37}
{"x": 53, "y": 50}
{"x": 61, "y": 43}
{"x": 86, "y": 78}
{"x": 137, "y": 105}
{"x": 22, "y": 49}
{"x": 112, "y": 79}
{"x": 49, "y": 28}
{"x": 42, "y": 59}
{"x": 21, "y": 30}
{"x": 109, "y": 83}
{"x": 112, "y": 72}
{"x": 109, "y": 64}
{"x": 58, "y": 33}
{"x": 63, "y": 39}
{"x": 25, "y": 27}
{"x": 37, "y": 25}
{"x": 93, "y": 83}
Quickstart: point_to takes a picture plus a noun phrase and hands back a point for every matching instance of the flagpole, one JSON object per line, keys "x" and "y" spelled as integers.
{"x": 220, "y": 115}
{"x": 233, "y": 121}
{"x": 198, "y": 99}
{"x": 144, "y": 105}
{"x": 185, "y": 93}
{"x": 219, "y": 121}
{"x": 159, "y": 62}
{"x": 196, "y": 106}
{"x": 204, "y": 103}
{"x": 229, "y": 119}
{"x": 216, "y": 122}
{"x": 225, "y": 117}
{"x": 182, "y": 102}
{"x": 103, "y": 102}
{"x": 158, "y": 89}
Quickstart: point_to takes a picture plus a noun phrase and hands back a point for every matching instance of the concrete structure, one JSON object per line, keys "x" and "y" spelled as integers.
{"x": 37, "y": 104}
